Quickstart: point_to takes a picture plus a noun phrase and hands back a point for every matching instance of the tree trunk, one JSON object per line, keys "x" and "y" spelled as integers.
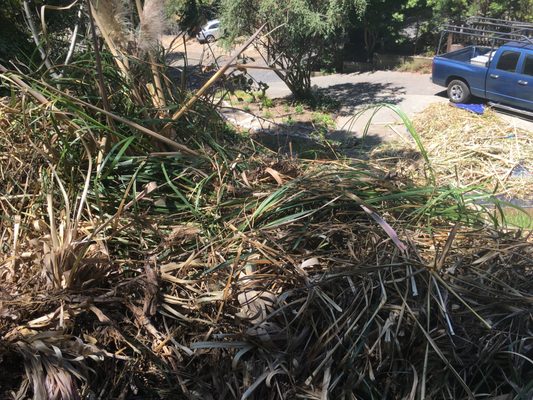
{"x": 370, "y": 42}
{"x": 299, "y": 84}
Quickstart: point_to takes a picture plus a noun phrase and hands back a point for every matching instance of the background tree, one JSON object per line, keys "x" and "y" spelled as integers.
{"x": 423, "y": 18}
{"x": 458, "y": 10}
{"x": 14, "y": 38}
{"x": 191, "y": 14}
{"x": 302, "y": 33}
{"x": 381, "y": 21}
{"x": 521, "y": 10}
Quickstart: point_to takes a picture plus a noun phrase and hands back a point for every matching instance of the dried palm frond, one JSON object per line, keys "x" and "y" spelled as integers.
{"x": 55, "y": 363}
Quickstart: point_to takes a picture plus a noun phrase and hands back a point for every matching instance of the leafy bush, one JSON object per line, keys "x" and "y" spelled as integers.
{"x": 267, "y": 102}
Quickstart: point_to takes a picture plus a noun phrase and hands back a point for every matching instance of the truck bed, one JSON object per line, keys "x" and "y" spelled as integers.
{"x": 468, "y": 54}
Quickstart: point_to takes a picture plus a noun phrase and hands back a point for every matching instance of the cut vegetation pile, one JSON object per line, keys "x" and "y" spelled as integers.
{"x": 150, "y": 257}
{"x": 473, "y": 150}
{"x": 251, "y": 277}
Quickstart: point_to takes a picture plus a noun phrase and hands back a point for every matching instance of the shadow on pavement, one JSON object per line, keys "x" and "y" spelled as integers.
{"x": 354, "y": 95}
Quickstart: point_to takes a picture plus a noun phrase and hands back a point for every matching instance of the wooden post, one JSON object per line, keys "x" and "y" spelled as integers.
{"x": 450, "y": 43}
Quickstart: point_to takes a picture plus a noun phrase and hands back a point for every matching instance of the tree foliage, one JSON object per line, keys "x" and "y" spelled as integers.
{"x": 301, "y": 32}
{"x": 458, "y": 10}
{"x": 190, "y": 14}
{"x": 384, "y": 20}
{"x": 13, "y": 37}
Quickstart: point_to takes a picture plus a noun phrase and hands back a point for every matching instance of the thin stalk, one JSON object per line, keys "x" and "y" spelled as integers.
{"x": 213, "y": 79}
{"x": 74, "y": 37}
{"x": 185, "y": 65}
{"x": 35, "y": 35}
{"x": 103, "y": 143}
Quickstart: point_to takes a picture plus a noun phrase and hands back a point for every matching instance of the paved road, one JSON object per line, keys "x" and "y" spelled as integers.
{"x": 381, "y": 84}
{"x": 213, "y": 53}
{"x": 412, "y": 93}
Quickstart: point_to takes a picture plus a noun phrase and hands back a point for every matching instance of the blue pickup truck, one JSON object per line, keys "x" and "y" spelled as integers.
{"x": 504, "y": 76}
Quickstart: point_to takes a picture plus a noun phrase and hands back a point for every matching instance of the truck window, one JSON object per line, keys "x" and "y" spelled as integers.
{"x": 508, "y": 61}
{"x": 528, "y": 66}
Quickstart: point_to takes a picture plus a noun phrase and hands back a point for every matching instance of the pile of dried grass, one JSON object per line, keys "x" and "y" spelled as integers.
{"x": 466, "y": 149}
{"x": 247, "y": 277}
{"x": 218, "y": 271}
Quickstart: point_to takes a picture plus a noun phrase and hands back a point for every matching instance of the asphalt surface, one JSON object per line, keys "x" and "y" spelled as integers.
{"x": 410, "y": 92}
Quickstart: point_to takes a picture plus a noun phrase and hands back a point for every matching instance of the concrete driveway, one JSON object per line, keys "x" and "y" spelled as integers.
{"x": 412, "y": 93}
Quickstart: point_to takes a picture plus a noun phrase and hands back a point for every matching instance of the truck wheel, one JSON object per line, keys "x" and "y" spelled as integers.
{"x": 458, "y": 91}
{"x": 210, "y": 39}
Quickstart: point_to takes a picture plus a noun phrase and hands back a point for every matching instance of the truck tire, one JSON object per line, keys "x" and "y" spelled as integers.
{"x": 210, "y": 38}
{"x": 458, "y": 91}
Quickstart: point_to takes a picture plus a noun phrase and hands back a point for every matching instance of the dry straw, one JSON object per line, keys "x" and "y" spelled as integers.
{"x": 213, "y": 278}
{"x": 471, "y": 150}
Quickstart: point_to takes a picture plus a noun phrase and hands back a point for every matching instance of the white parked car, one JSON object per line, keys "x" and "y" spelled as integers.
{"x": 210, "y": 32}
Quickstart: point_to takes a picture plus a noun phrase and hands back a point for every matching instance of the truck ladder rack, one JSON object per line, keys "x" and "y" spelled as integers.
{"x": 488, "y": 31}
{"x": 478, "y": 21}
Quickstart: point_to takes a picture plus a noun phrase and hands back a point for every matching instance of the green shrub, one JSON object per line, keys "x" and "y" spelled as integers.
{"x": 323, "y": 119}
{"x": 267, "y": 102}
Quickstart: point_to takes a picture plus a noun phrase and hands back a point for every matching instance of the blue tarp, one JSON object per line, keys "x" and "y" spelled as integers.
{"x": 475, "y": 108}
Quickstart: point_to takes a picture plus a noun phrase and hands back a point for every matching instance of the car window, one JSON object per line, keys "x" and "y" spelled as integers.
{"x": 508, "y": 61}
{"x": 214, "y": 26}
{"x": 528, "y": 66}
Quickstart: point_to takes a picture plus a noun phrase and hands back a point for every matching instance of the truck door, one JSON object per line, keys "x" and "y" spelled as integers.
{"x": 525, "y": 80}
{"x": 504, "y": 84}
